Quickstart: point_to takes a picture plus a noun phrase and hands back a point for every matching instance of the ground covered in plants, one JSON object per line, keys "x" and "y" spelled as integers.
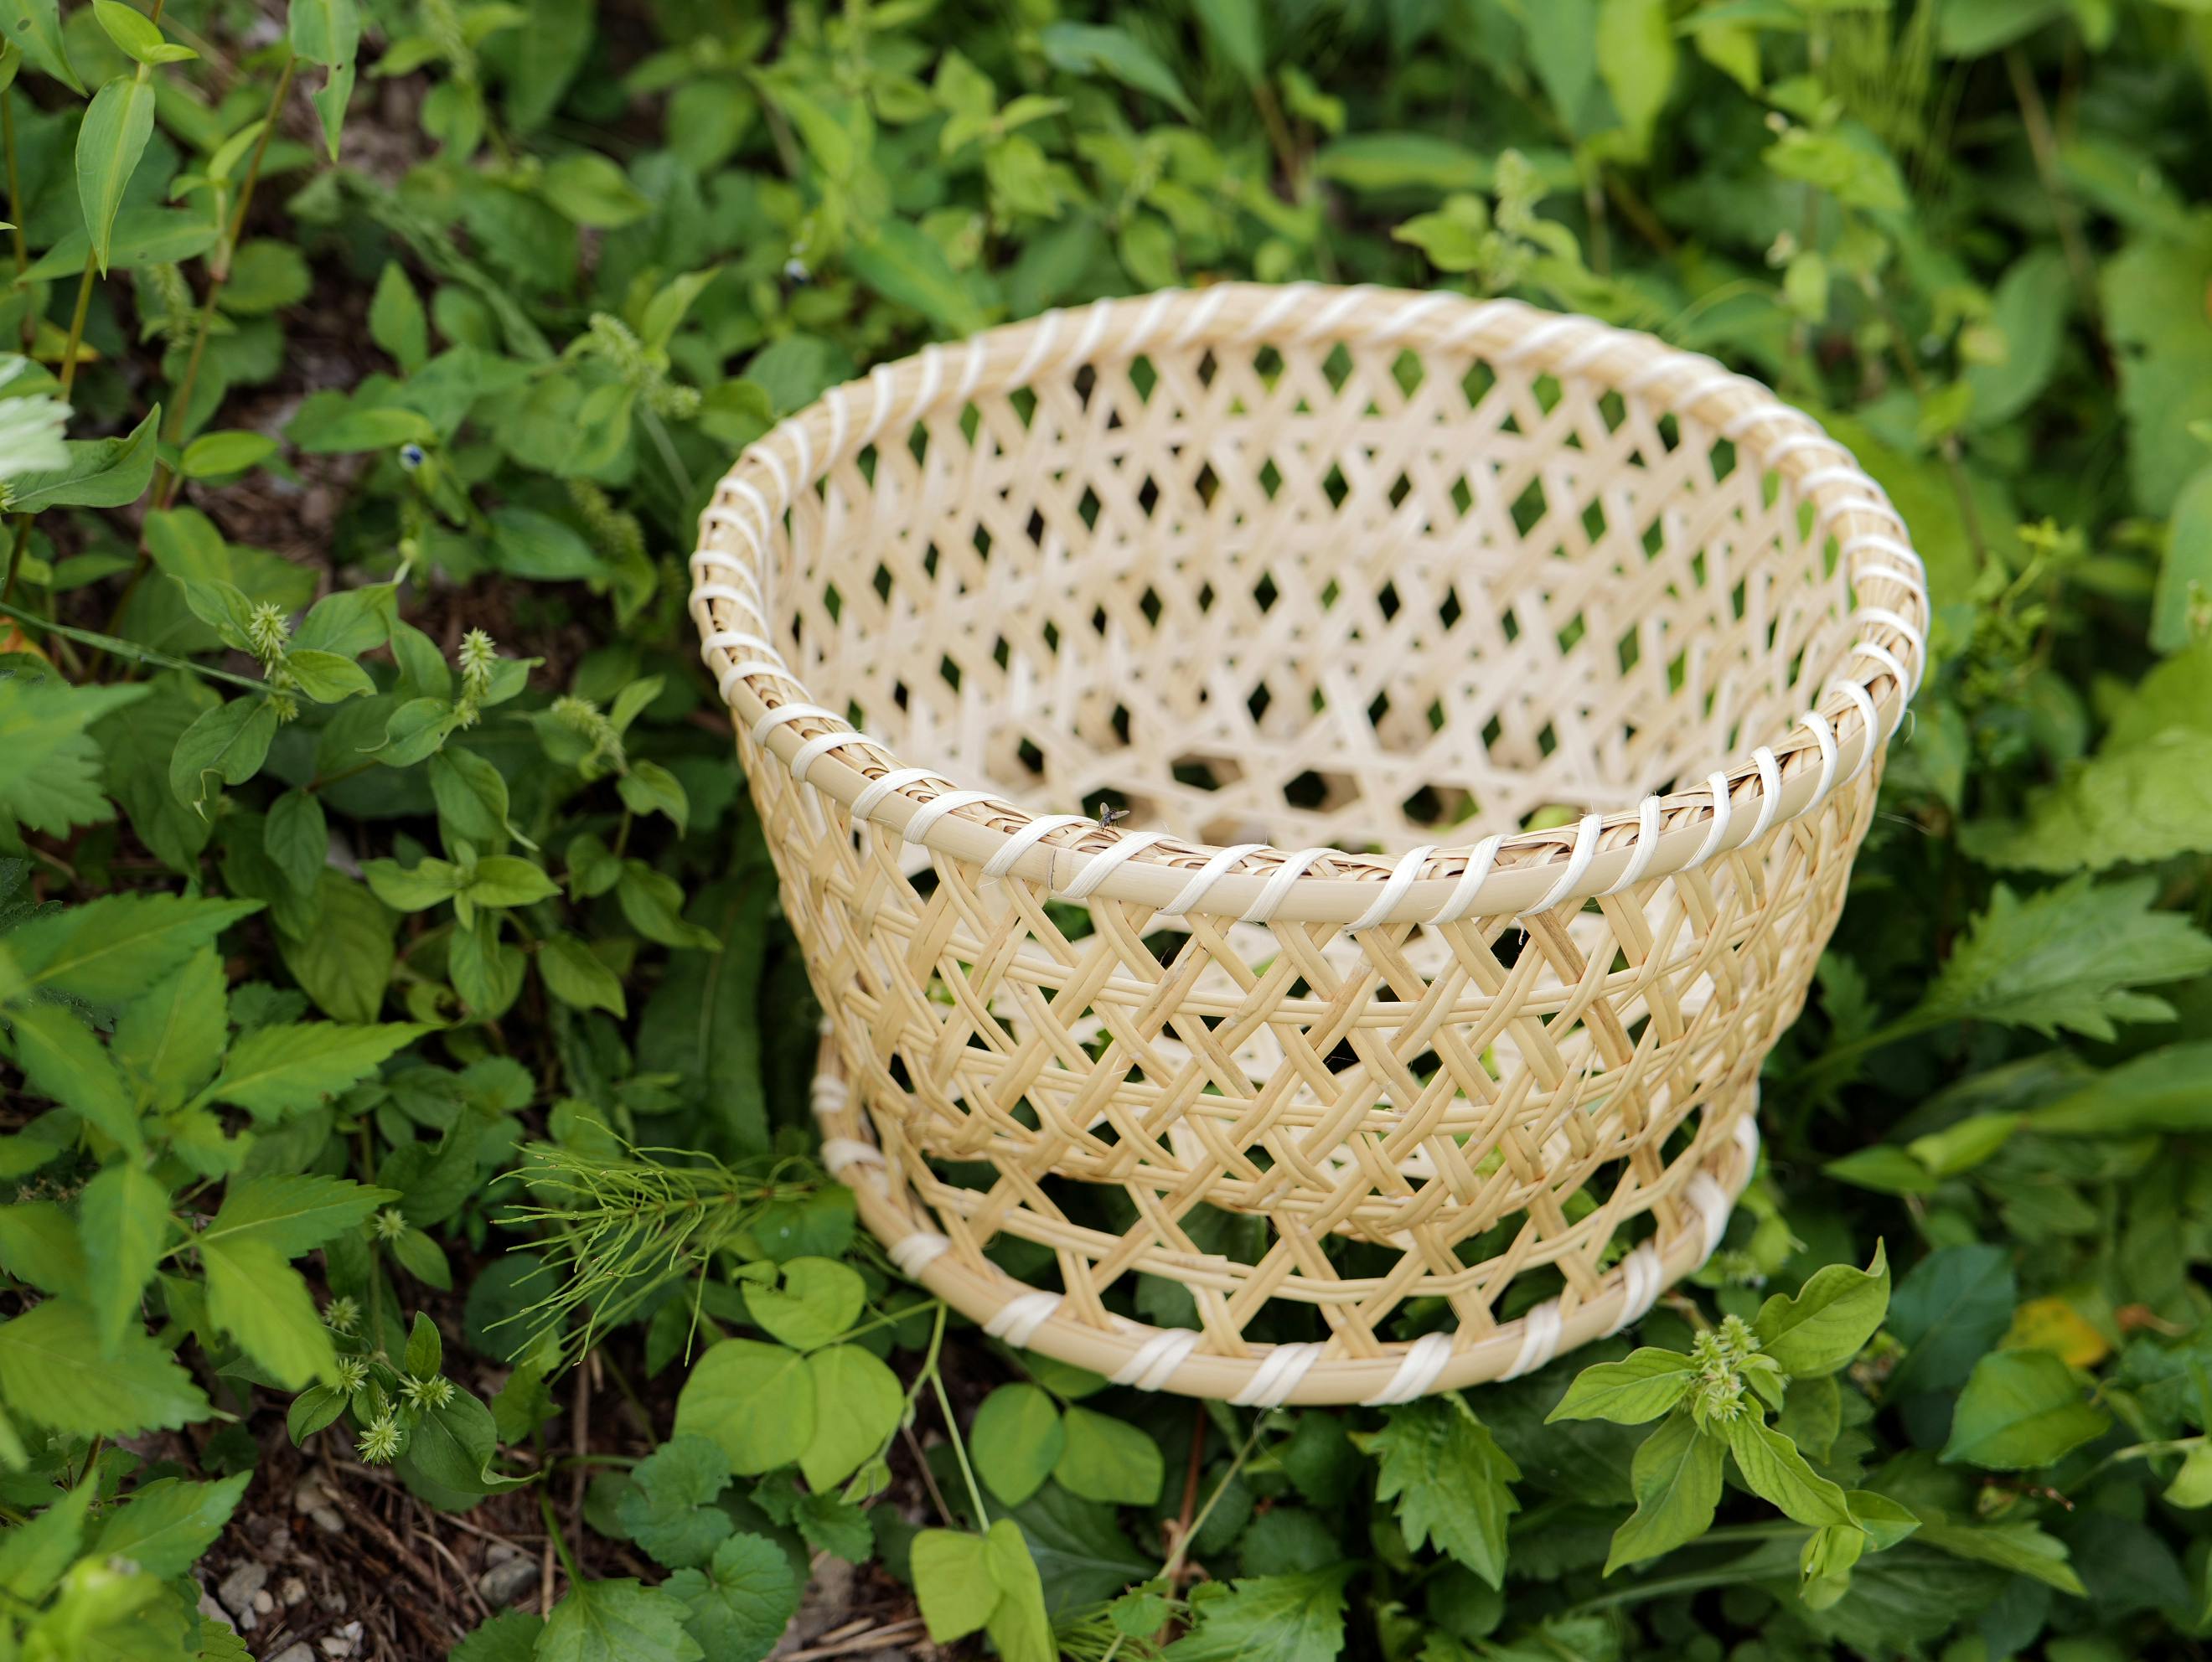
{"x": 416, "y": 1241}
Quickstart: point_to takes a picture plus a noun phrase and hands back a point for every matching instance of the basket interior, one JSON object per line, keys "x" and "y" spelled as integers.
{"x": 1334, "y": 594}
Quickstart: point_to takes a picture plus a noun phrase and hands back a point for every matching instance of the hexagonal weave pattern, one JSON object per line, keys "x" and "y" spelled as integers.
{"x": 1489, "y": 703}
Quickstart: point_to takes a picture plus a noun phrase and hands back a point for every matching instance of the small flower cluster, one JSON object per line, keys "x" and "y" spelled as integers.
{"x": 1729, "y": 1365}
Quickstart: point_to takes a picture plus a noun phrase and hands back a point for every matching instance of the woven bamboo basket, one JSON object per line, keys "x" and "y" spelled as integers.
{"x": 1496, "y": 699}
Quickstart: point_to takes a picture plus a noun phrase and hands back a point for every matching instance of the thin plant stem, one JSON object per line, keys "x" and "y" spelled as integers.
{"x": 952, "y": 1430}
{"x": 129, "y": 650}
{"x": 76, "y": 324}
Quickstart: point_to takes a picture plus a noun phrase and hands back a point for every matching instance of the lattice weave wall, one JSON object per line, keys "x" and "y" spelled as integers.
{"x": 1495, "y": 700}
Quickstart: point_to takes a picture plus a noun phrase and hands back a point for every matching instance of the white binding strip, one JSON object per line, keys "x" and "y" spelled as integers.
{"x": 1409, "y": 314}
{"x": 1157, "y": 1359}
{"x": 1869, "y": 718}
{"x": 1018, "y": 1320}
{"x": 879, "y": 409}
{"x": 1022, "y": 840}
{"x": 796, "y": 426}
{"x": 1206, "y": 876}
{"x": 971, "y": 368}
{"x": 1647, "y": 845}
{"x": 1424, "y": 1360}
{"x": 1148, "y": 320}
{"x": 1640, "y": 1276}
{"x": 725, "y": 638}
{"x": 1723, "y": 806}
{"x": 829, "y": 1094}
{"x": 1539, "y": 1339}
{"x": 915, "y": 1253}
{"x": 932, "y": 377}
{"x": 1401, "y": 878}
{"x": 1479, "y": 859}
{"x": 1747, "y": 1138}
{"x": 1824, "y": 733}
{"x": 1578, "y": 862}
{"x": 1096, "y": 315}
{"x": 788, "y": 713}
{"x": 1103, "y": 864}
{"x": 898, "y": 780}
{"x": 841, "y": 422}
{"x": 1201, "y": 316}
{"x": 1048, "y": 328}
{"x": 804, "y": 758}
{"x": 930, "y": 812}
{"x": 1277, "y": 888}
{"x": 1277, "y": 1376}
{"x": 1710, "y": 1203}
{"x": 1913, "y": 638}
{"x": 766, "y": 452}
{"x": 839, "y": 1152}
{"x": 1770, "y": 792}
{"x": 744, "y": 668}
{"x": 1889, "y": 661}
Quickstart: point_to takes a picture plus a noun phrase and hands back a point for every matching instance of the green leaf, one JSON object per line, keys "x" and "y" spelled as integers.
{"x": 857, "y": 1405}
{"x": 273, "y": 1070}
{"x": 221, "y": 455}
{"x": 589, "y": 189}
{"x": 2020, "y": 1410}
{"x": 345, "y": 963}
{"x": 136, "y": 35}
{"x": 1955, "y": 1305}
{"x": 1236, "y": 29}
{"x": 756, "y": 1400}
{"x": 65, "y": 1063}
{"x": 327, "y": 677}
{"x": 261, "y": 1301}
{"x": 1971, "y": 28}
{"x": 578, "y": 977}
{"x": 903, "y": 263}
{"x": 1104, "y": 1459}
{"x": 506, "y": 880}
{"x": 2152, "y": 291}
{"x": 1016, "y": 1438}
{"x": 1019, "y": 1629}
{"x": 325, "y": 32}
{"x": 528, "y": 543}
{"x": 165, "y": 1527}
{"x": 1676, "y": 1476}
{"x": 1642, "y": 1386}
{"x": 123, "y": 1221}
{"x": 741, "y": 1602}
{"x": 34, "y": 27}
{"x": 53, "y": 1370}
{"x": 50, "y": 766}
{"x": 397, "y": 321}
{"x": 1562, "y": 48}
{"x": 952, "y": 1583}
{"x": 296, "y": 838}
{"x": 1774, "y": 1470}
{"x": 1403, "y": 161}
{"x": 108, "y": 146}
{"x": 226, "y": 746}
{"x": 616, "y": 1621}
{"x": 2020, "y": 1547}
{"x": 2184, "y": 576}
{"x": 34, "y": 1555}
{"x": 2068, "y": 957}
{"x": 1090, "y": 49}
{"x": 820, "y": 1298}
{"x": 293, "y": 1214}
{"x": 101, "y": 473}
{"x": 1636, "y": 58}
{"x": 1831, "y": 1318}
{"x": 1450, "y": 1480}
{"x": 669, "y": 1507}
{"x": 2029, "y": 314}
{"x": 1284, "y": 1618}
{"x": 117, "y": 947}
{"x": 1848, "y": 163}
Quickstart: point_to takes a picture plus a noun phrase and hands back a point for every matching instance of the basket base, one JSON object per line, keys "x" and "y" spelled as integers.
{"x": 1267, "y": 1375}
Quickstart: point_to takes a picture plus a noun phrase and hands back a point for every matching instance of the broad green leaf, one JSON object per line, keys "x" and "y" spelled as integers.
{"x": 108, "y": 146}
{"x": 165, "y": 1527}
{"x": 1636, "y": 58}
{"x": 455, "y": 1447}
{"x": 616, "y": 1621}
{"x": 325, "y": 32}
{"x": 116, "y": 947}
{"x": 2020, "y": 1410}
{"x": 1285, "y": 1618}
{"x": 327, "y": 677}
{"x": 1850, "y": 164}
{"x": 1237, "y": 31}
{"x": 123, "y": 1221}
{"x": 1020, "y": 1629}
{"x": 1015, "y": 1440}
{"x": 65, "y": 1063}
{"x": 1091, "y": 49}
{"x": 819, "y": 1299}
{"x": 345, "y": 963}
{"x": 1104, "y": 1459}
{"x": 100, "y": 473}
{"x": 51, "y": 767}
{"x": 34, "y": 27}
{"x": 2184, "y": 576}
{"x": 1562, "y": 42}
{"x": 2161, "y": 1090}
{"x": 903, "y": 263}
{"x": 397, "y": 321}
{"x": 1774, "y": 1470}
{"x": 2152, "y": 291}
{"x": 577, "y": 976}
{"x": 273, "y": 1070}
{"x": 52, "y": 1371}
{"x": 220, "y": 455}
{"x": 291, "y": 1214}
{"x": 756, "y": 1400}
{"x": 2068, "y": 957}
{"x": 136, "y": 35}
{"x": 2020, "y": 1547}
{"x": 669, "y": 1507}
{"x": 590, "y": 190}
{"x": 1970, "y": 28}
{"x": 1403, "y": 161}
{"x": 1642, "y": 1386}
{"x": 34, "y": 1553}
{"x": 741, "y": 1601}
{"x": 261, "y": 1300}
{"x": 226, "y": 746}
{"x": 857, "y": 1404}
{"x": 952, "y": 1583}
{"x": 296, "y": 837}
{"x": 1830, "y": 1318}
{"x": 1954, "y": 1306}
{"x": 1450, "y": 1482}
{"x": 2191, "y": 1487}
{"x": 2029, "y": 315}
{"x": 1676, "y": 1476}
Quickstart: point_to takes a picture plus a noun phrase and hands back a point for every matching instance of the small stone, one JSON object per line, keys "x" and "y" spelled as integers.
{"x": 211, "y": 1610}
{"x": 263, "y": 1603}
{"x": 298, "y": 1651}
{"x": 294, "y": 1592}
{"x": 237, "y": 1591}
{"x": 500, "y": 1551}
{"x": 506, "y": 1581}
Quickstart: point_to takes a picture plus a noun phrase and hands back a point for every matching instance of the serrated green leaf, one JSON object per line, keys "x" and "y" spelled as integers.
{"x": 165, "y": 1527}
{"x": 293, "y": 1214}
{"x": 275, "y": 1070}
{"x": 123, "y": 1221}
{"x": 261, "y": 1301}
{"x": 1450, "y": 1480}
{"x": 53, "y": 1371}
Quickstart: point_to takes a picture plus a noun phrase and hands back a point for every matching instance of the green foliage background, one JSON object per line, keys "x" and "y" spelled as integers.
{"x": 371, "y": 902}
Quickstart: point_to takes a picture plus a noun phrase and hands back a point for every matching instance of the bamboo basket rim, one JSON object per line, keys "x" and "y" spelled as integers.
{"x": 1514, "y": 872}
